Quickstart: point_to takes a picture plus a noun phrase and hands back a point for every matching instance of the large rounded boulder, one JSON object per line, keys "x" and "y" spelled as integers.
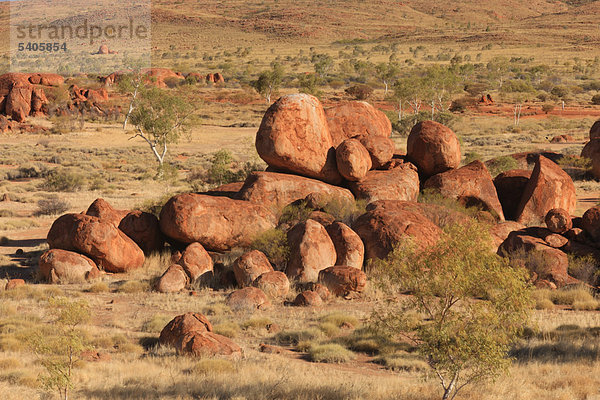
{"x": 398, "y": 183}
{"x": 104, "y": 243}
{"x": 386, "y": 223}
{"x": 549, "y": 187}
{"x": 196, "y": 262}
{"x": 380, "y": 148}
{"x": 470, "y": 185}
{"x": 218, "y": 223}
{"x": 248, "y": 299}
{"x": 192, "y": 334}
{"x": 311, "y": 250}
{"x": 62, "y": 266}
{"x": 433, "y": 148}
{"x": 274, "y": 284}
{"x": 342, "y": 279}
{"x": 293, "y": 136}
{"x": 143, "y": 229}
{"x": 353, "y": 160}
{"x": 250, "y": 266}
{"x": 279, "y": 190}
{"x": 105, "y": 212}
{"x": 352, "y": 118}
{"x": 173, "y": 280}
{"x": 349, "y": 247}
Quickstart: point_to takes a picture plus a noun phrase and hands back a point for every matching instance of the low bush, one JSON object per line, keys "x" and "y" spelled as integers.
{"x": 275, "y": 246}
{"x": 330, "y": 353}
{"x": 59, "y": 180}
{"x": 52, "y": 205}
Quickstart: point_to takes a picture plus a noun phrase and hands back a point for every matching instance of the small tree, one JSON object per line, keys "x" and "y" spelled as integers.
{"x": 268, "y": 82}
{"x": 59, "y": 352}
{"x": 466, "y": 305}
{"x": 160, "y": 118}
{"x": 310, "y": 84}
{"x": 387, "y": 73}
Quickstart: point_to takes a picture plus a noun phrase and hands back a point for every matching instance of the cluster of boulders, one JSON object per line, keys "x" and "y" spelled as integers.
{"x": 160, "y": 76}
{"x": 318, "y": 159}
{"x": 22, "y": 95}
{"x": 101, "y": 239}
{"x": 592, "y": 149}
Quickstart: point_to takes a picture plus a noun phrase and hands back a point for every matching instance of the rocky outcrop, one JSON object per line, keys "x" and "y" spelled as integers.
{"x": 349, "y": 248}
{"x": 386, "y": 223}
{"x": 274, "y": 284}
{"x": 342, "y": 280}
{"x": 218, "y": 223}
{"x": 271, "y": 188}
{"x": 470, "y": 185}
{"x": 250, "y": 266}
{"x": 549, "y": 187}
{"x": 399, "y": 183}
{"x": 248, "y": 299}
{"x": 311, "y": 250}
{"x": 558, "y": 220}
{"x": 348, "y": 119}
{"x": 294, "y": 137}
{"x": 380, "y": 148}
{"x": 62, "y": 266}
{"x": 433, "y": 148}
{"x": 353, "y": 160}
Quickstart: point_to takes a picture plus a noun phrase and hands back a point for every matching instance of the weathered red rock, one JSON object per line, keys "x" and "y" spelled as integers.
{"x": 399, "y": 183}
{"x": 294, "y": 136}
{"x": 103, "y": 49}
{"x": 108, "y": 246}
{"x": 173, "y": 280}
{"x": 590, "y": 223}
{"x": 14, "y": 283}
{"x": 433, "y": 148}
{"x": 549, "y": 187}
{"x": 321, "y": 290}
{"x": 501, "y": 230}
{"x": 218, "y": 223}
{"x": 353, "y": 118}
{"x": 219, "y": 78}
{"x": 62, "y": 266}
{"x": 143, "y": 229}
{"x": 274, "y": 284}
{"x": 542, "y": 260}
{"x": 510, "y": 186}
{"x": 104, "y": 211}
{"x": 196, "y": 262}
{"x": 248, "y": 298}
{"x": 183, "y": 324}
{"x": 591, "y": 148}
{"x": 159, "y": 76}
{"x": 349, "y": 247}
{"x": 322, "y": 217}
{"x": 18, "y": 101}
{"x": 308, "y": 298}
{"x": 386, "y": 223}
{"x": 250, "y": 266}
{"x": 271, "y": 188}
{"x": 342, "y": 279}
{"x": 555, "y": 240}
{"x": 558, "y": 220}
{"x": 311, "y": 250}
{"x": 192, "y": 334}
{"x": 353, "y": 160}
{"x": 470, "y": 185}
{"x": 380, "y": 148}
{"x": 227, "y": 190}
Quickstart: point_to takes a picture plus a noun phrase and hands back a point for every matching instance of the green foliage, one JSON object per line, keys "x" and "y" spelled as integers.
{"x": 63, "y": 180}
{"x": 273, "y": 243}
{"x": 295, "y": 213}
{"x": 220, "y": 171}
{"x": 269, "y": 82}
{"x": 596, "y": 99}
{"x": 471, "y": 304}
{"x": 329, "y": 353}
{"x": 310, "y": 84}
{"x": 344, "y": 210}
{"x": 501, "y": 164}
{"x": 160, "y": 118}
{"x": 59, "y": 353}
{"x": 471, "y": 156}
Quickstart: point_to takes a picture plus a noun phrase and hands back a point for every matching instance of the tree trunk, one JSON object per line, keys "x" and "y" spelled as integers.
{"x": 130, "y": 107}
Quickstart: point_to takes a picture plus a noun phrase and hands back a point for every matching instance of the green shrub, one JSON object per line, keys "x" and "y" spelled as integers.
{"x": 330, "y": 353}
{"x": 155, "y": 324}
{"x": 294, "y": 337}
{"x": 359, "y": 92}
{"x": 275, "y": 246}
{"x": 63, "y": 181}
{"x": 501, "y": 164}
{"x": 596, "y": 99}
